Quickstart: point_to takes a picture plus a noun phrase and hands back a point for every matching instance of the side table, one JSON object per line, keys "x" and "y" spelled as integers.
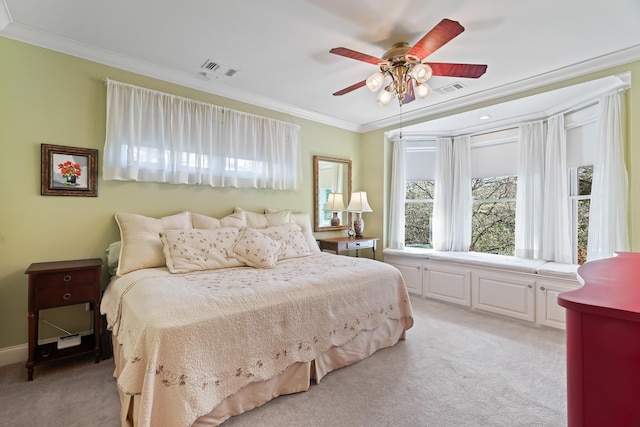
{"x": 59, "y": 284}
{"x": 341, "y": 244}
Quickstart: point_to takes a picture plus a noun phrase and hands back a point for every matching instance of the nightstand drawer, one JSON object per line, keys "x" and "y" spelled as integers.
{"x": 65, "y": 278}
{"x": 360, "y": 245}
{"x": 61, "y": 295}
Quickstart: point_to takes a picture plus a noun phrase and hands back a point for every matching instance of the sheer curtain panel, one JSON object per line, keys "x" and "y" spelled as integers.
{"x": 398, "y": 195}
{"x": 452, "y": 200}
{"x": 608, "y": 218}
{"x": 529, "y": 212}
{"x": 158, "y": 137}
{"x": 556, "y": 233}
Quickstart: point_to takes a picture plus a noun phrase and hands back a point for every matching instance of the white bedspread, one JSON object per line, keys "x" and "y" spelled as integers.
{"x": 191, "y": 340}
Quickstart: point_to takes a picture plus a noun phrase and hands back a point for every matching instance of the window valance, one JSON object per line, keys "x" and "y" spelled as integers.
{"x": 159, "y": 137}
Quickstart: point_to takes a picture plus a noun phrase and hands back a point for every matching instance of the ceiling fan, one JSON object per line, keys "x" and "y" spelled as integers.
{"x": 403, "y": 64}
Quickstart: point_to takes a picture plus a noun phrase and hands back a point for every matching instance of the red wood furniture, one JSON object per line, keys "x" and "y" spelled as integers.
{"x": 603, "y": 343}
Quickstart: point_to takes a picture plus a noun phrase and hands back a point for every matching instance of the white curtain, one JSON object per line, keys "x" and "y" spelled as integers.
{"x": 154, "y": 136}
{"x": 556, "y": 232}
{"x": 452, "y": 199}
{"x": 398, "y": 195}
{"x": 608, "y": 222}
{"x": 529, "y": 212}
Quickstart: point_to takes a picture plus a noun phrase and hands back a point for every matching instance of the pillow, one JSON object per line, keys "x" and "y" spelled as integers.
{"x": 256, "y": 249}
{"x": 140, "y": 236}
{"x": 113, "y": 253}
{"x": 196, "y": 250}
{"x": 236, "y": 219}
{"x": 294, "y": 244}
{"x": 304, "y": 221}
{"x": 271, "y": 219}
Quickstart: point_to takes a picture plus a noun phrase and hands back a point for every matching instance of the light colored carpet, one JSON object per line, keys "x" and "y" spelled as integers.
{"x": 456, "y": 368}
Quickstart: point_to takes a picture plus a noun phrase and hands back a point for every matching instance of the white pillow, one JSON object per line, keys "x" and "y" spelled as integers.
{"x": 256, "y": 249}
{"x": 236, "y": 219}
{"x": 304, "y": 221}
{"x": 196, "y": 250}
{"x": 294, "y": 244}
{"x": 140, "y": 236}
{"x": 271, "y": 219}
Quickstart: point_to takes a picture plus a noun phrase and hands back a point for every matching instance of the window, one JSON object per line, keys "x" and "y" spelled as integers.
{"x": 418, "y": 212}
{"x": 494, "y": 215}
{"x": 580, "y": 179}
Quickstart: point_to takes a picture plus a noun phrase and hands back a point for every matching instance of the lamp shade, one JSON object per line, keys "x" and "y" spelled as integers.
{"x": 335, "y": 203}
{"x": 359, "y": 203}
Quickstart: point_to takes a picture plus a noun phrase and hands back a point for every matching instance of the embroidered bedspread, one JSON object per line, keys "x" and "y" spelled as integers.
{"x": 192, "y": 340}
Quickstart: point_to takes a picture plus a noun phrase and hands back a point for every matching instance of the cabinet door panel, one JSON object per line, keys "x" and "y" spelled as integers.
{"x": 447, "y": 283}
{"x": 504, "y": 294}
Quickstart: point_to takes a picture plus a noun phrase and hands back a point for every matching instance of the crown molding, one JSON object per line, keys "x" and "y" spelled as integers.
{"x": 82, "y": 50}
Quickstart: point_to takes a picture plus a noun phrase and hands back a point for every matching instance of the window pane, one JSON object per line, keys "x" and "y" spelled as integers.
{"x": 583, "y": 229}
{"x": 417, "y": 230}
{"x": 494, "y": 227}
{"x": 585, "y": 177}
{"x": 494, "y": 215}
{"x": 494, "y": 188}
{"x": 420, "y": 190}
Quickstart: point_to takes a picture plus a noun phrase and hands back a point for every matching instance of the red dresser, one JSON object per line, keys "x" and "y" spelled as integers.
{"x": 603, "y": 343}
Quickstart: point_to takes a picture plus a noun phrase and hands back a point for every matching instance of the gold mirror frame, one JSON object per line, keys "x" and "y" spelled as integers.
{"x": 330, "y": 175}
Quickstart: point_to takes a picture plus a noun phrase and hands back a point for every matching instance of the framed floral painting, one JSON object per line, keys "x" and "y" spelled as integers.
{"x": 69, "y": 171}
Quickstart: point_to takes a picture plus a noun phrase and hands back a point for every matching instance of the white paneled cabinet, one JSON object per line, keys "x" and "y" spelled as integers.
{"x": 504, "y": 293}
{"x": 445, "y": 282}
{"x": 526, "y": 296}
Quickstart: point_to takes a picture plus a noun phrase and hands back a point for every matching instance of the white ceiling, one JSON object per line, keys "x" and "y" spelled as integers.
{"x": 281, "y": 47}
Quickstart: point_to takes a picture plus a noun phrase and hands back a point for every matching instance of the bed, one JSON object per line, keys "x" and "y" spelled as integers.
{"x": 213, "y": 317}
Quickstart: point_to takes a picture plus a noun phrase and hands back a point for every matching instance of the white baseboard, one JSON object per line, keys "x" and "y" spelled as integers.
{"x": 20, "y": 353}
{"x": 15, "y": 354}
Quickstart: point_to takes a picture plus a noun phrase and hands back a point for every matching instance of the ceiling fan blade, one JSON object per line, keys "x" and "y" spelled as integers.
{"x": 472, "y": 71}
{"x": 439, "y": 35}
{"x": 350, "y": 88}
{"x": 343, "y": 51}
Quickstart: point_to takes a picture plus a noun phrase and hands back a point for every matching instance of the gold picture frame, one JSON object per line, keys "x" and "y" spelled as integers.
{"x": 68, "y": 171}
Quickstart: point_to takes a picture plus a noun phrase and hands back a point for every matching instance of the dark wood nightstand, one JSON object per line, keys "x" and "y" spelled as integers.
{"x": 341, "y": 244}
{"x": 58, "y": 284}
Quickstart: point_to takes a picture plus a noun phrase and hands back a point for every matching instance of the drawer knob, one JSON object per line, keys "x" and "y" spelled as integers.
{"x": 66, "y": 296}
{"x": 530, "y": 286}
{"x": 542, "y": 288}
{"x": 67, "y": 278}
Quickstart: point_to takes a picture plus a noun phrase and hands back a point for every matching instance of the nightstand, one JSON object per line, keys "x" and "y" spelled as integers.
{"x": 341, "y": 244}
{"x": 59, "y": 284}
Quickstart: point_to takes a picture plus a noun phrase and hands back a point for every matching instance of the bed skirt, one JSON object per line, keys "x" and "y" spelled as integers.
{"x": 298, "y": 377}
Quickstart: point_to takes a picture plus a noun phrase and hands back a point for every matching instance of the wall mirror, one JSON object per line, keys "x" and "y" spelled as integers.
{"x": 331, "y": 191}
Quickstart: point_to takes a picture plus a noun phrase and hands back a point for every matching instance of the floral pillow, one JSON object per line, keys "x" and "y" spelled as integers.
{"x": 256, "y": 249}
{"x": 294, "y": 244}
{"x": 196, "y": 250}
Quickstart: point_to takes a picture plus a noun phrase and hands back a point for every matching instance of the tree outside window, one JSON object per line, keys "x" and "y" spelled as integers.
{"x": 494, "y": 215}
{"x": 418, "y": 210}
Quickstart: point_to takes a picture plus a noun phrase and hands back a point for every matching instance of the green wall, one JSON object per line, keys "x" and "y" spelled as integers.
{"x": 52, "y": 98}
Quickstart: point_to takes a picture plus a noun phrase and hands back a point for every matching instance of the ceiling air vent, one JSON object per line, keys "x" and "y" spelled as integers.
{"x": 216, "y": 69}
{"x": 454, "y": 87}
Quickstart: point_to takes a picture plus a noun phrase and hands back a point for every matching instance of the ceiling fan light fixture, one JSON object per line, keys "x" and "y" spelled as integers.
{"x": 423, "y": 90}
{"x": 421, "y": 72}
{"x": 375, "y": 81}
{"x": 384, "y": 96}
